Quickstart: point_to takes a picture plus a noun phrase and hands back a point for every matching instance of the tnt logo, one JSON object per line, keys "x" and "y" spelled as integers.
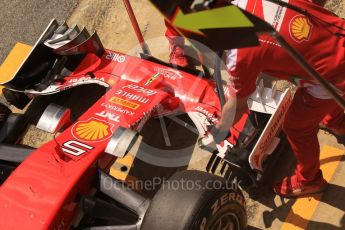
{"x": 109, "y": 116}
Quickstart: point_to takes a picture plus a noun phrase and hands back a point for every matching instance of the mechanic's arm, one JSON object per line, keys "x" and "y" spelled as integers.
{"x": 232, "y": 112}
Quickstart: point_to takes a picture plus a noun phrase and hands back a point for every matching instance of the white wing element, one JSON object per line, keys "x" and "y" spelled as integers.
{"x": 275, "y": 103}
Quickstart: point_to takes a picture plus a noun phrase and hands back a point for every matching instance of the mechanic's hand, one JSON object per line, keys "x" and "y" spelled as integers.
{"x": 213, "y": 136}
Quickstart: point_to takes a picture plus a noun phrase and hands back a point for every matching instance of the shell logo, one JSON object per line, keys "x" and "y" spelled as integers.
{"x": 300, "y": 28}
{"x": 91, "y": 130}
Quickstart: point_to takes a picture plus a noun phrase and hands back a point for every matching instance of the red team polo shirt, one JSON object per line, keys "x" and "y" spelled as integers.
{"x": 314, "y": 40}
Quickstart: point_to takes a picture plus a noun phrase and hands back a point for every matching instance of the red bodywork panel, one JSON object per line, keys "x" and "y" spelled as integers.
{"x": 41, "y": 192}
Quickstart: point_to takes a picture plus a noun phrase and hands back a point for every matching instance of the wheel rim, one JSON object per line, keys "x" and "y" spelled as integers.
{"x": 227, "y": 221}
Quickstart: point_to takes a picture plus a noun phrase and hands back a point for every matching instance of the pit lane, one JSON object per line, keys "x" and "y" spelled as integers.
{"x": 265, "y": 212}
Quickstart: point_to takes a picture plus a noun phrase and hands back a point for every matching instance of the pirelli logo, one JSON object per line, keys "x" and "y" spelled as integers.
{"x": 124, "y": 103}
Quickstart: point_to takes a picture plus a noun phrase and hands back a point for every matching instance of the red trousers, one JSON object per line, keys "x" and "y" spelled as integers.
{"x": 301, "y": 126}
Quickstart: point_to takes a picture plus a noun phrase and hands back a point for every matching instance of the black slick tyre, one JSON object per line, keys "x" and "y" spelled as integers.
{"x": 196, "y": 200}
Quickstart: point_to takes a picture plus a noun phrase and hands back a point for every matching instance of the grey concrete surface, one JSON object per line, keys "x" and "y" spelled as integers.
{"x": 24, "y": 20}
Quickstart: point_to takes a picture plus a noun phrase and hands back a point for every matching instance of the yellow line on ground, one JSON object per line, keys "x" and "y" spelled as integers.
{"x": 13, "y": 61}
{"x": 304, "y": 208}
{"x": 118, "y": 171}
{"x": 122, "y": 166}
{"x": 121, "y": 169}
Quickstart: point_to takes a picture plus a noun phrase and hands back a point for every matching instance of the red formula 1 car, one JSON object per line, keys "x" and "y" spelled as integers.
{"x": 65, "y": 183}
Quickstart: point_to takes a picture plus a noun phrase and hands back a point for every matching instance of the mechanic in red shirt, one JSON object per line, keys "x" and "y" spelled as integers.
{"x": 311, "y": 105}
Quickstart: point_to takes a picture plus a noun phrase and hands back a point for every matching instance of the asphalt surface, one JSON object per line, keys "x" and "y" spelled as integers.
{"x": 24, "y": 21}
